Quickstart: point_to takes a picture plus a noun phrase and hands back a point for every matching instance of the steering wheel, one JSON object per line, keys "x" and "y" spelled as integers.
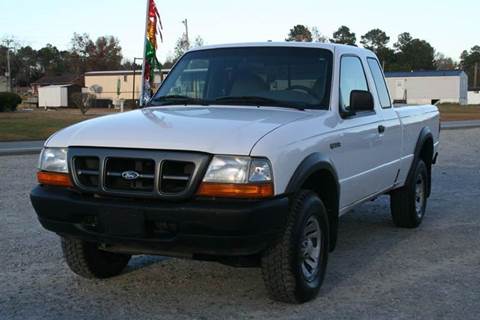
{"x": 307, "y": 90}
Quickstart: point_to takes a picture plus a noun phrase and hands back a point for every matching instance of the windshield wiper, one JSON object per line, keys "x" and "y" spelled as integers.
{"x": 171, "y": 100}
{"x": 256, "y": 101}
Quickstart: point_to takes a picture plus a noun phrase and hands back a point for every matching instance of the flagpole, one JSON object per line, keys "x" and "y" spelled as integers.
{"x": 142, "y": 93}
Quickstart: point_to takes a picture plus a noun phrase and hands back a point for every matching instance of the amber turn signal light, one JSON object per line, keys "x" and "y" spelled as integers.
{"x": 226, "y": 190}
{"x": 54, "y": 179}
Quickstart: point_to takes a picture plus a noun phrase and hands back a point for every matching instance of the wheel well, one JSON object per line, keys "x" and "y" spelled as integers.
{"x": 426, "y": 154}
{"x": 324, "y": 184}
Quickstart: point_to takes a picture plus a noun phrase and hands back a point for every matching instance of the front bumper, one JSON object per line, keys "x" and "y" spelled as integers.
{"x": 210, "y": 227}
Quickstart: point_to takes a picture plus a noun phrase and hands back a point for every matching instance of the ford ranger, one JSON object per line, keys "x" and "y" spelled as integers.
{"x": 247, "y": 155}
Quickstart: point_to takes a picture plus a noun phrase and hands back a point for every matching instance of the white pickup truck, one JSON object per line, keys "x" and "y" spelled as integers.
{"x": 246, "y": 155}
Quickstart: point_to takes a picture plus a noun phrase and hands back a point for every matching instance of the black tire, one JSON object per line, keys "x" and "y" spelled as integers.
{"x": 406, "y": 204}
{"x": 86, "y": 260}
{"x": 282, "y": 263}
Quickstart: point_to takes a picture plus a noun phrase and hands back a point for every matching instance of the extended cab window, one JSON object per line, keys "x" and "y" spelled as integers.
{"x": 266, "y": 76}
{"x": 352, "y": 77}
{"x": 379, "y": 82}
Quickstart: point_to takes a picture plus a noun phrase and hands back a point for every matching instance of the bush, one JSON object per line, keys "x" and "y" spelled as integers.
{"x": 9, "y": 101}
{"x": 132, "y": 104}
{"x": 102, "y": 103}
{"x": 83, "y": 101}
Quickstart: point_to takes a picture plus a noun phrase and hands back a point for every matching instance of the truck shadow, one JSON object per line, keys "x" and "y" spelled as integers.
{"x": 365, "y": 236}
{"x": 367, "y": 252}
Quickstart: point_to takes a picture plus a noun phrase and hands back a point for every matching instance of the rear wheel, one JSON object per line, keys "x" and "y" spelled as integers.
{"x": 408, "y": 203}
{"x": 294, "y": 268}
{"x": 86, "y": 260}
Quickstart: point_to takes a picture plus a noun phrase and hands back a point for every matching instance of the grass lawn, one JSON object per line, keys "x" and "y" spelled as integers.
{"x": 455, "y": 112}
{"x": 40, "y": 124}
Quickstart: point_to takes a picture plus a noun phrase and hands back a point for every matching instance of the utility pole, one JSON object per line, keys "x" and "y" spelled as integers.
{"x": 475, "y": 76}
{"x": 9, "y": 71}
{"x": 185, "y": 22}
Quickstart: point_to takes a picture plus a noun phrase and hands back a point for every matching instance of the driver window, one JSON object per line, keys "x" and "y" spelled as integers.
{"x": 352, "y": 77}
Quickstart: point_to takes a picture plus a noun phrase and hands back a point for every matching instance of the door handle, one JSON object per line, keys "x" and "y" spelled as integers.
{"x": 381, "y": 129}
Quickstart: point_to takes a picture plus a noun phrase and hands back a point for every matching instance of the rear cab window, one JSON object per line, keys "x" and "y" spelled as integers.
{"x": 380, "y": 84}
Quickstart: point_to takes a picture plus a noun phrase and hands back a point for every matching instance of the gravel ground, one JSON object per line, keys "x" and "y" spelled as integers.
{"x": 377, "y": 271}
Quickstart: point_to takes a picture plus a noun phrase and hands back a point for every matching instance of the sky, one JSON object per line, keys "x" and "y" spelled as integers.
{"x": 449, "y": 26}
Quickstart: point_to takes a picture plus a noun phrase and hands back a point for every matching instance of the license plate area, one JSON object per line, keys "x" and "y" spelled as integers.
{"x": 124, "y": 222}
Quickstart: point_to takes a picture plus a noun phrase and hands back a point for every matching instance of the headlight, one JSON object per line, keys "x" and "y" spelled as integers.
{"x": 237, "y": 177}
{"x": 260, "y": 171}
{"x": 53, "y": 160}
{"x": 236, "y": 169}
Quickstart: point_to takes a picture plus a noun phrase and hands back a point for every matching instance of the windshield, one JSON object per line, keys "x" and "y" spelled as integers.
{"x": 263, "y": 76}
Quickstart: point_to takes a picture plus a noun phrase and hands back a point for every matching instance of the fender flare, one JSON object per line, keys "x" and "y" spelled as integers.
{"x": 312, "y": 163}
{"x": 425, "y": 134}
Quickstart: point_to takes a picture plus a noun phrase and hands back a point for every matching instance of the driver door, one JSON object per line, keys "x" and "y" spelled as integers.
{"x": 356, "y": 160}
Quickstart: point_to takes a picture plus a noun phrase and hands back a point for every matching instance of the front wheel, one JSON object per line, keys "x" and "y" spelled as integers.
{"x": 86, "y": 260}
{"x": 293, "y": 269}
{"x": 408, "y": 203}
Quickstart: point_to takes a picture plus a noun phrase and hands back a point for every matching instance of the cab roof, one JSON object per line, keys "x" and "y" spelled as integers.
{"x": 341, "y": 48}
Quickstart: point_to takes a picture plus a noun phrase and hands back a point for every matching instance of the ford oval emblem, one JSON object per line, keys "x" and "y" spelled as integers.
{"x": 130, "y": 175}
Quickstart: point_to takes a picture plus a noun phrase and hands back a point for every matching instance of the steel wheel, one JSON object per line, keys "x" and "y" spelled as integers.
{"x": 419, "y": 195}
{"x": 310, "y": 249}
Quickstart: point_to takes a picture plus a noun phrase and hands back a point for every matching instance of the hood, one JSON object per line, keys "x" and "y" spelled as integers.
{"x": 216, "y": 130}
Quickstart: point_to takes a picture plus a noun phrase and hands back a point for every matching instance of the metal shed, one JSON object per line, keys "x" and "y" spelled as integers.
{"x": 428, "y": 87}
{"x": 56, "y": 96}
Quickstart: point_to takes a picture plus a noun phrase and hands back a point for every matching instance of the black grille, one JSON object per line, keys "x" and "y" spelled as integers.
{"x": 142, "y": 173}
{"x": 88, "y": 170}
{"x": 175, "y": 176}
{"x": 144, "y": 168}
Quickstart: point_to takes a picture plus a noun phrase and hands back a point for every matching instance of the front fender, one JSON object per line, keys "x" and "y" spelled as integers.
{"x": 311, "y": 164}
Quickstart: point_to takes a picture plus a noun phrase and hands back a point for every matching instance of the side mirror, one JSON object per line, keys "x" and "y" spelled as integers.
{"x": 361, "y": 101}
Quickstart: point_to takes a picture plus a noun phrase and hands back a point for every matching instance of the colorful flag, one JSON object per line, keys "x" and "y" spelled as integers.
{"x": 153, "y": 28}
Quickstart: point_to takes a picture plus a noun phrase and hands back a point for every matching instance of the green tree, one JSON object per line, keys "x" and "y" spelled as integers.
{"x": 443, "y": 62}
{"x": 26, "y": 66}
{"x": 413, "y": 54}
{"x": 182, "y": 46}
{"x": 344, "y": 36}
{"x": 199, "y": 42}
{"x": 403, "y": 40}
{"x": 375, "y": 39}
{"x": 469, "y": 61}
{"x": 127, "y": 65}
{"x": 105, "y": 53}
{"x": 48, "y": 57}
{"x": 299, "y": 33}
{"x": 317, "y": 36}
{"x": 387, "y": 58}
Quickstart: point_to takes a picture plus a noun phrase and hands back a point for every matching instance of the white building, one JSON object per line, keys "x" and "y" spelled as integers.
{"x": 121, "y": 84}
{"x": 474, "y": 97}
{"x": 428, "y": 87}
